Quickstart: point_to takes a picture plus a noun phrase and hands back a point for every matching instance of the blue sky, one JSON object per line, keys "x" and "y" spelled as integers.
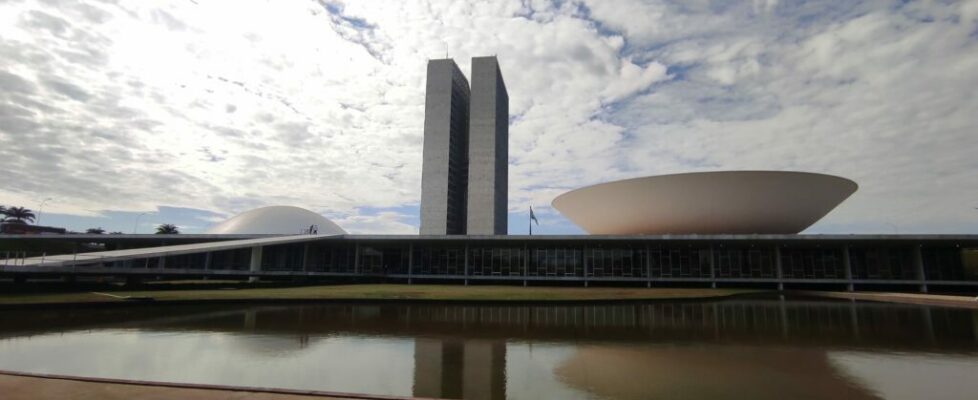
{"x": 198, "y": 110}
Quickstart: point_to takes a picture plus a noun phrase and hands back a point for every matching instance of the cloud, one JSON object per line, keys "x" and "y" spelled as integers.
{"x": 130, "y": 106}
{"x": 14, "y": 83}
{"x": 67, "y": 89}
{"x": 868, "y": 96}
{"x": 378, "y": 221}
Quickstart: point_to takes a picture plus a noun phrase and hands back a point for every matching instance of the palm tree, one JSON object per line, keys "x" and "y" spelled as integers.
{"x": 95, "y": 231}
{"x": 19, "y": 215}
{"x": 167, "y": 229}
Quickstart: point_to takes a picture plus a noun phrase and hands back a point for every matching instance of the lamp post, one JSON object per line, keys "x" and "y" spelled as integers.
{"x": 39, "y": 209}
{"x": 136, "y": 225}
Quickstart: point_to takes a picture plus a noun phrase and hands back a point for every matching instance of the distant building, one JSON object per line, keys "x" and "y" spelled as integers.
{"x": 466, "y": 150}
{"x": 488, "y": 149}
{"x": 444, "y": 171}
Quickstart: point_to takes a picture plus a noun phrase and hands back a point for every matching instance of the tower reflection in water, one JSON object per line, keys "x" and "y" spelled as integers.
{"x": 451, "y": 368}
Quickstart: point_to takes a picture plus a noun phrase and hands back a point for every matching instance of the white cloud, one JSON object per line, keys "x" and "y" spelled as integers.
{"x": 384, "y": 222}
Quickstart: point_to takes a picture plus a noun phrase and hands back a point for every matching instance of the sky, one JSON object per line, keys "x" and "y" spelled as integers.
{"x": 125, "y": 115}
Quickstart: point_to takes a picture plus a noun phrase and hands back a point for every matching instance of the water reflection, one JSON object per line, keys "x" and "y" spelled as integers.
{"x": 707, "y": 373}
{"x": 798, "y": 323}
{"x": 763, "y": 348}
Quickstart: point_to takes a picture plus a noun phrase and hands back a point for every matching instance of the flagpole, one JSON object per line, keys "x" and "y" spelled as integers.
{"x": 533, "y": 218}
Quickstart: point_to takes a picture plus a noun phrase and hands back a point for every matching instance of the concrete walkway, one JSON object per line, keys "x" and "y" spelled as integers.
{"x": 63, "y": 260}
{"x": 17, "y": 386}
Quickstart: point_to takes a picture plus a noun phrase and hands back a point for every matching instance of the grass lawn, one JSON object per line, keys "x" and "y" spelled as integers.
{"x": 379, "y": 291}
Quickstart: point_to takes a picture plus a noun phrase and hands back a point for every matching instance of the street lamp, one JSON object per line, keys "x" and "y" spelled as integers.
{"x": 39, "y": 209}
{"x": 136, "y": 225}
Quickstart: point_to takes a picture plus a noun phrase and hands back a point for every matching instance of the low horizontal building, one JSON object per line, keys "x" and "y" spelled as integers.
{"x": 906, "y": 262}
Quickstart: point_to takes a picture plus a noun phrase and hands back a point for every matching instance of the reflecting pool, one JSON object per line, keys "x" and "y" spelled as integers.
{"x": 735, "y": 348}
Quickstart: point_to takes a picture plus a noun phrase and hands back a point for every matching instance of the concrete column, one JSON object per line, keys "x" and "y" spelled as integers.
{"x": 585, "y": 267}
{"x": 918, "y": 267}
{"x": 777, "y": 264}
{"x": 847, "y": 263}
{"x": 526, "y": 262}
{"x": 356, "y": 258}
{"x": 410, "y": 262}
{"x": 713, "y": 273}
{"x": 254, "y": 264}
{"x": 162, "y": 262}
{"x": 465, "y": 264}
{"x": 305, "y": 258}
{"x": 648, "y": 267}
{"x": 207, "y": 261}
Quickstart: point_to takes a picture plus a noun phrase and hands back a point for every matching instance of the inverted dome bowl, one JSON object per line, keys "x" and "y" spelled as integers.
{"x": 724, "y": 202}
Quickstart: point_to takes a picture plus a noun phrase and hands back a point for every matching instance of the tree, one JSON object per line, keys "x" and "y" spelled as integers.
{"x": 167, "y": 229}
{"x": 95, "y": 231}
{"x": 3, "y": 211}
{"x": 19, "y": 214}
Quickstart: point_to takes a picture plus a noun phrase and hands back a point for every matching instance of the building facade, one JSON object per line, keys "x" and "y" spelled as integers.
{"x": 488, "y": 150}
{"x": 842, "y": 262}
{"x": 444, "y": 174}
{"x": 465, "y": 171}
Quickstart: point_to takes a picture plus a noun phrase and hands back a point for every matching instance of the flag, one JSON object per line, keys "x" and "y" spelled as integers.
{"x": 533, "y": 217}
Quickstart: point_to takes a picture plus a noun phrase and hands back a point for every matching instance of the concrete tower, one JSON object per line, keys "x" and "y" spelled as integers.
{"x": 444, "y": 171}
{"x": 488, "y": 150}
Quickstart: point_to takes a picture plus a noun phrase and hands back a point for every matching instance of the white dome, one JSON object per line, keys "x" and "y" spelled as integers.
{"x": 276, "y": 220}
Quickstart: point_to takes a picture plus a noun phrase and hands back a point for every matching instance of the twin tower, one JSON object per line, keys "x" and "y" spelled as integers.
{"x": 464, "y": 175}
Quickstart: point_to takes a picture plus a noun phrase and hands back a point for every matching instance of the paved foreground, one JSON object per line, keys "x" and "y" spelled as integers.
{"x": 19, "y": 387}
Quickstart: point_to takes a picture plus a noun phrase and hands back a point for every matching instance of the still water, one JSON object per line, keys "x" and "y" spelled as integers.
{"x": 736, "y": 348}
